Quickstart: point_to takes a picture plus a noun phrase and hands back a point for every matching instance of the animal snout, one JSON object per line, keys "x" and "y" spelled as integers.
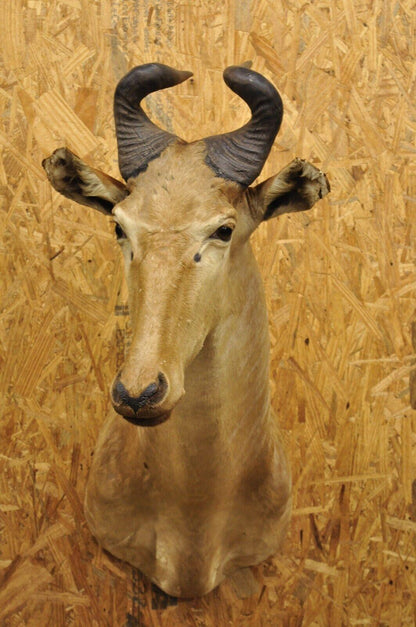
{"x": 150, "y": 395}
{"x": 145, "y": 409}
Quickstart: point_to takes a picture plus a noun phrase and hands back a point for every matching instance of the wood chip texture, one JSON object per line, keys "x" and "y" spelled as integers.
{"x": 340, "y": 284}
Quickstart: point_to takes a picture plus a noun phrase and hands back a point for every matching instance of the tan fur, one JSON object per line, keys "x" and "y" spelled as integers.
{"x": 208, "y": 491}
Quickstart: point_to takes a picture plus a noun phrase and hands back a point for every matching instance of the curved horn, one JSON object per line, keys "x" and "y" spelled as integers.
{"x": 139, "y": 140}
{"x": 240, "y": 155}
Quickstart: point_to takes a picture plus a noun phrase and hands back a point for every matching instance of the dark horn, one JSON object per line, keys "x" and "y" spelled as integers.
{"x": 240, "y": 155}
{"x": 139, "y": 140}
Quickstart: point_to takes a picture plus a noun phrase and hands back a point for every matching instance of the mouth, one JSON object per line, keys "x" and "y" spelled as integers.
{"x": 144, "y": 419}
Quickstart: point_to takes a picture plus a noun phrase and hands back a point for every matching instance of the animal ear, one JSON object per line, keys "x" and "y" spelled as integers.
{"x": 78, "y": 181}
{"x": 295, "y": 188}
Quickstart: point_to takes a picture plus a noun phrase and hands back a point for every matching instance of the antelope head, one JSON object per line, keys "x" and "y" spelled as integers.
{"x": 183, "y": 220}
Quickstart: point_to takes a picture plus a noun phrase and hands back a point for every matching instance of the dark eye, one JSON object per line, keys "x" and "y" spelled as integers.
{"x": 223, "y": 233}
{"x": 119, "y": 232}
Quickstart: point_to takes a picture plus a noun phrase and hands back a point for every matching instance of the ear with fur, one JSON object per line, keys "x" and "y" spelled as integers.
{"x": 295, "y": 188}
{"x": 78, "y": 181}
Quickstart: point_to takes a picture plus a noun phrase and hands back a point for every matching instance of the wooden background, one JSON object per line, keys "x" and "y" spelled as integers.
{"x": 340, "y": 284}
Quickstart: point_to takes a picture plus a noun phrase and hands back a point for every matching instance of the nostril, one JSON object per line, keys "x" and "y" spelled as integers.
{"x": 151, "y": 395}
{"x": 162, "y": 385}
{"x": 119, "y": 393}
{"x": 148, "y": 392}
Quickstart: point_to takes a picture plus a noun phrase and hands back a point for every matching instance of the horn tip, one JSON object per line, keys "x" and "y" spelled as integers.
{"x": 246, "y": 82}
{"x": 186, "y": 74}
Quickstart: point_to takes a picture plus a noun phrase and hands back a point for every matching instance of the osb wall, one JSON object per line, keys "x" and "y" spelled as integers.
{"x": 340, "y": 284}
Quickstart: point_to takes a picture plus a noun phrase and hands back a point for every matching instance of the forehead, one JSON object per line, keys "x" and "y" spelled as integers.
{"x": 177, "y": 189}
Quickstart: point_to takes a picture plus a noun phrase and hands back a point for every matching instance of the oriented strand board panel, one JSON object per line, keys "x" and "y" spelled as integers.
{"x": 340, "y": 284}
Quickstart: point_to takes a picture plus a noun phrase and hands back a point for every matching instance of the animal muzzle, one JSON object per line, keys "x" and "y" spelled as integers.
{"x": 150, "y": 408}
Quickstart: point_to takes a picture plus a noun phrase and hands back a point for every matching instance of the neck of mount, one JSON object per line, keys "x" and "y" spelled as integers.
{"x": 228, "y": 382}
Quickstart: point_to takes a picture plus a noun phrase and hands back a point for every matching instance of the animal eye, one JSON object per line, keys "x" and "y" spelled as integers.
{"x": 119, "y": 232}
{"x": 223, "y": 233}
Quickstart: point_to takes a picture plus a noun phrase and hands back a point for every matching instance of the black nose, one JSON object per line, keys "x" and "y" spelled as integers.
{"x": 151, "y": 395}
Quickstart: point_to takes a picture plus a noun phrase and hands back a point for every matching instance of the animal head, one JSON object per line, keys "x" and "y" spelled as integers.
{"x": 183, "y": 219}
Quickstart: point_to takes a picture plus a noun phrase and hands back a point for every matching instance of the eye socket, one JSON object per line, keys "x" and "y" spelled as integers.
{"x": 224, "y": 233}
{"x": 119, "y": 232}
